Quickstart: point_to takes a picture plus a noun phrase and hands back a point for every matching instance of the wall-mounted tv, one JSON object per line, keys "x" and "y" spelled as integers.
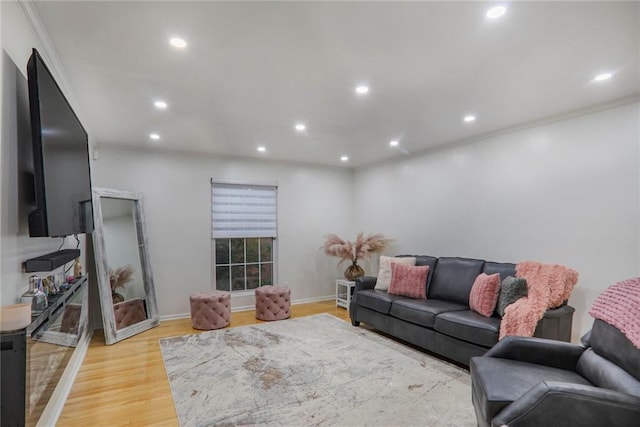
{"x": 62, "y": 178}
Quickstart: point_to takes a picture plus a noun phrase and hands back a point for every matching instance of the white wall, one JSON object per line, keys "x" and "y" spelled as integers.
{"x": 565, "y": 192}
{"x": 18, "y": 38}
{"x": 312, "y": 201}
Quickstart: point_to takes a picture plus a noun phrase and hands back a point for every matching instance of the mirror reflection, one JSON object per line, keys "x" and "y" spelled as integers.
{"x": 67, "y": 323}
{"x": 125, "y": 282}
{"x": 123, "y": 260}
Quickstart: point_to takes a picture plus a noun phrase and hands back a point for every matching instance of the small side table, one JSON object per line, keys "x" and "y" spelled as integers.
{"x": 344, "y": 292}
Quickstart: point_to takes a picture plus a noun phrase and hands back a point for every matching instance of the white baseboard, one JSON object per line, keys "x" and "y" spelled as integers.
{"x": 59, "y": 396}
{"x": 314, "y": 299}
{"x": 251, "y": 307}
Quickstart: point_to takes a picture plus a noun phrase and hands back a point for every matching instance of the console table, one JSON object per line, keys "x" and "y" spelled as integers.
{"x": 16, "y": 356}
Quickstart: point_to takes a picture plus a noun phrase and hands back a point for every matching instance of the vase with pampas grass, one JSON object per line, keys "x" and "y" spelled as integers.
{"x": 118, "y": 278}
{"x": 361, "y": 248}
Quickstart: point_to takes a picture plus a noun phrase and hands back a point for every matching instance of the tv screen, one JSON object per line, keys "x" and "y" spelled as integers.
{"x": 61, "y": 159}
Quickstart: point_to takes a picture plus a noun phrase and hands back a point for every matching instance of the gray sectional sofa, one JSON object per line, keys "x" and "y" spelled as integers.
{"x": 443, "y": 323}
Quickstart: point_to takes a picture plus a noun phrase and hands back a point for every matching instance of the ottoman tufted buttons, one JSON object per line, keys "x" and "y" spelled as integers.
{"x": 210, "y": 309}
{"x": 272, "y": 303}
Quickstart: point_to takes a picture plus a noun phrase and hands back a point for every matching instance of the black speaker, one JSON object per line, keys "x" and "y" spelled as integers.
{"x": 51, "y": 261}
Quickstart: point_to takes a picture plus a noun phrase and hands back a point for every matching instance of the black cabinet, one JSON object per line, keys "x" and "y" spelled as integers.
{"x": 13, "y": 378}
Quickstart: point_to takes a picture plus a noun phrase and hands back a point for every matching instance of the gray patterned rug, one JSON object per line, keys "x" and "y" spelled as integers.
{"x": 316, "y": 370}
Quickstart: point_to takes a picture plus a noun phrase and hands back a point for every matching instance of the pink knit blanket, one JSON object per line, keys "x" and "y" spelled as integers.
{"x": 548, "y": 286}
{"x": 619, "y": 306}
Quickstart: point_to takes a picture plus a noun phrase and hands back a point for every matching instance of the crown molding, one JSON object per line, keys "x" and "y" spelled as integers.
{"x": 620, "y": 102}
{"x": 48, "y": 52}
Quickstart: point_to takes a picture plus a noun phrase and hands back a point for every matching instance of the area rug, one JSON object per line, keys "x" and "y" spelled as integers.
{"x": 316, "y": 370}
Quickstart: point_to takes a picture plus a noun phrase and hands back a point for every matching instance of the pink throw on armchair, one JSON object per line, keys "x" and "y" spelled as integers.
{"x": 549, "y": 285}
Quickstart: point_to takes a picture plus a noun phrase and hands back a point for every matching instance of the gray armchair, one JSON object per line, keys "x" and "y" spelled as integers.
{"x": 523, "y": 382}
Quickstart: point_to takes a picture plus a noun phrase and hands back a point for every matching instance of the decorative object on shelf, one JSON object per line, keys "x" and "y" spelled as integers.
{"x": 77, "y": 268}
{"x": 118, "y": 278}
{"x": 359, "y": 249}
{"x": 28, "y": 296}
{"x": 35, "y": 296}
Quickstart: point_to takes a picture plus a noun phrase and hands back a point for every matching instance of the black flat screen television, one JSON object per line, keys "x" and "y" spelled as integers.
{"x": 62, "y": 178}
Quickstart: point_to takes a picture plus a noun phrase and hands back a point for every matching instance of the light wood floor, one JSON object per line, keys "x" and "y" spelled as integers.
{"x": 126, "y": 384}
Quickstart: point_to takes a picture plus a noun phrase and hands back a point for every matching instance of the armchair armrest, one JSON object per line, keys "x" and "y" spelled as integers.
{"x": 365, "y": 282}
{"x": 539, "y": 351}
{"x": 564, "y": 404}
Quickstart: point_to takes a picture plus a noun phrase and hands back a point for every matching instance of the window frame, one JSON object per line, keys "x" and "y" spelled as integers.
{"x": 274, "y": 247}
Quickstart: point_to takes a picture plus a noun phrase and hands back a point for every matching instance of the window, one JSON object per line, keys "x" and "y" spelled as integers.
{"x": 243, "y": 232}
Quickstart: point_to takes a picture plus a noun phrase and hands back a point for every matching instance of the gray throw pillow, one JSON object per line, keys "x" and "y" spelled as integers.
{"x": 511, "y": 290}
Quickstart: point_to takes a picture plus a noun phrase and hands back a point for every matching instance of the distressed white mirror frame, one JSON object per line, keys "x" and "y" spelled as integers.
{"x": 111, "y": 334}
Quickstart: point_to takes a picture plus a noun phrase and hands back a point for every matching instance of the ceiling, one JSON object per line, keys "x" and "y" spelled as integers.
{"x": 251, "y": 70}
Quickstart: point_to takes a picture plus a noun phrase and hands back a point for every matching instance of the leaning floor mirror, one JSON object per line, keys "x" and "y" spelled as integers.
{"x": 125, "y": 282}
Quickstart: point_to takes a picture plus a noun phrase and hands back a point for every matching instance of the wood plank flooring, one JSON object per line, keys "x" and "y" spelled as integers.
{"x": 126, "y": 384}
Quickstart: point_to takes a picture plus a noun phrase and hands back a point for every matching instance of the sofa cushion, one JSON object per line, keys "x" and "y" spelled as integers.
{"x": 422, "y": 312}
{"x": 376, "y": 300}
{"x": 484, "y": 294}
{"x": 408, "y": 280}
{"x": 505, "y": 269}
{"x": 499, "y": 382}
{"x": 469, "y": 326}
{"x": 425, "y": 260}
{"x": 384, "y": 272}
{"x": 511, "y": 290}
{"x": 453, "y": 278}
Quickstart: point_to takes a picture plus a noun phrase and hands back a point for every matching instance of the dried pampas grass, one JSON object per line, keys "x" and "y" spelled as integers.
{"x": 361, "y": 248}
{"x": 120, "y": 277}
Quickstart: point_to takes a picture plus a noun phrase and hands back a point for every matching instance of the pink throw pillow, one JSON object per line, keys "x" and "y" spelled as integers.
{"x": 484, "y": 294}
{"x": 409, "y": 281}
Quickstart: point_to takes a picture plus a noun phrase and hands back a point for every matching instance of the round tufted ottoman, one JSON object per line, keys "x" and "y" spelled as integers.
{"x": 273, "y": 302}
{"x": 210, "y": 309}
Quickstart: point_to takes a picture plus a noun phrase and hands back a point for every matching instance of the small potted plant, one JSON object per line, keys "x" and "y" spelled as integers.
{"x": 361, "y": 248}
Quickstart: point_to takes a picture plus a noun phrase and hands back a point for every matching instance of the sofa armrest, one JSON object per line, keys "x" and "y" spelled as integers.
{"x": 539, "y": 351}
{"x": 362, "y": 283}
{"x": 365, "y": 282}
{"x": 562, "y": 311}
{"x": 565, "y": 404}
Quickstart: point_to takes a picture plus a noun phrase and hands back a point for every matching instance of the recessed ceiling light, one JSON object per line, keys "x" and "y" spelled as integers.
{"x": 301, "y": 127}
{"x": 160, "y": 104}
{"x": 262, "y": 149}
{"x": 469, "y": 119}
{"x": 154, "y": 136}
{"x": 394, "y": 143}
{"x": 602, "y": 77}
{"x": 496, "y": 12}
{"x": 178, "y": 42}
{"x": 362, "y": 89}
{"x": 344, "y": 158}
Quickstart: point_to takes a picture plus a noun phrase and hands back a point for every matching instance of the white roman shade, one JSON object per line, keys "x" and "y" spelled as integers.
{"x": 239, "y": 210}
